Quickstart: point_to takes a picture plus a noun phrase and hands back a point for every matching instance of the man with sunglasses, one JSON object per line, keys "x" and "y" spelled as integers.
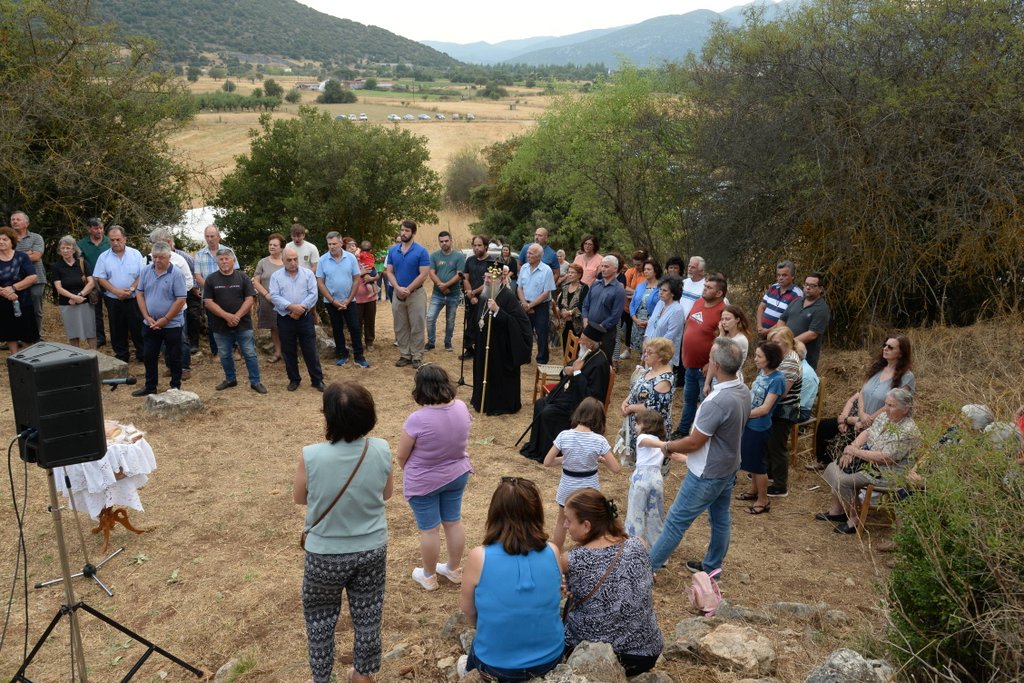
{"x": 808, "y": 317}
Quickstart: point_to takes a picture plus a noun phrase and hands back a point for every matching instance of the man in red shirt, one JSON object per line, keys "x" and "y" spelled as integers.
{"x": 699, "y": 334}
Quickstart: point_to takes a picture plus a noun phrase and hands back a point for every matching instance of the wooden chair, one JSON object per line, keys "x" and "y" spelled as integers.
{"x": 866, "y": 505}
{"x": 798, "y": 431}
{"x": 608, "y": 394}
{"x": 549, "y": 373}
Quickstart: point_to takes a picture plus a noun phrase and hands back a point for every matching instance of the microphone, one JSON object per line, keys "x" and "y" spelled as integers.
{"x": 130, "y": 379}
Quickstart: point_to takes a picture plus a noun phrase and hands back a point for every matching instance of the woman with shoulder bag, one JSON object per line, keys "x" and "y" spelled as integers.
{"x": 76, "y": 293}
{"x": 345, "y": 544}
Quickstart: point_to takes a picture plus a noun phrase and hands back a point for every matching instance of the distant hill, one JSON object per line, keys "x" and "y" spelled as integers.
{"x": 651, "y": 42}
{"x": 287, "y": 28}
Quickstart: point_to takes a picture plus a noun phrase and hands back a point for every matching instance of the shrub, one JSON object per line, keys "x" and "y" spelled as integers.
{"x": 957, "y": 588}
{"x": 228, "y": 86}
{"x": 293, "y": 96}
{"x": 465, "y": 172}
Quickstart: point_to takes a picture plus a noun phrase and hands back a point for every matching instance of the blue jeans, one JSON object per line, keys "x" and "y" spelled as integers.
{"x": 696, "y": 495}
{"x": 247, "y": 345}
{"x": 693, "y": 387}
{"x": 495, "y": 673}
{"x": 450, "y": 302}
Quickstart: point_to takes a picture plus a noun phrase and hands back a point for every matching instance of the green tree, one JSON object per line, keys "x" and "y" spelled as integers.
{"x": 359, "y": 180}
{"x": 370, "y": 84}
{"x": 194, "y": 72}
{"x": 257, "y": 93}
{"x": 229, "y": 86}
{"x": 85, "y": 118}
{"x": 293, "y": 96}
{"x": 464, "y": 172}
{"x": 334, "y": 94}
{"x": 272, "y": 88}
{"x": 493, "y": 91}
{"x": 218, "y": 72}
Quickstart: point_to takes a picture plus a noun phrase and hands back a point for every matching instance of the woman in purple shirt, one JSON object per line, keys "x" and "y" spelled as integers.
{"x": 432, "y": 452}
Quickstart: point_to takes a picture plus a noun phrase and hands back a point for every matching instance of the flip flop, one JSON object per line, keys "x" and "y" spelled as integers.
{"x": 747, "y": 496}
{"x": 760, "y": 509}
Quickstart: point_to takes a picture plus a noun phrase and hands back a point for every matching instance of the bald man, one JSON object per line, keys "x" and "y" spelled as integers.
{"x": 603, "y": 303}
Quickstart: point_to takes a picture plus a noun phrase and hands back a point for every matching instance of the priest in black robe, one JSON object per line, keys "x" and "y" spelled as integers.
{"x": 587, "y": 376}
{"x": 504, "y": 344}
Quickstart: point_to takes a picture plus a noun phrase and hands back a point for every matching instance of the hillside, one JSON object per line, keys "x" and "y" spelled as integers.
{"x": 508, "y": 50}
{"x": 278, "y": 27}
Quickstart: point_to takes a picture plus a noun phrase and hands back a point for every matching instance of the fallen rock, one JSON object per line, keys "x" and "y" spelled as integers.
{"x": 728, "y": 612}
{"x": 833, "y": 618}
{"x": 173, "y": 403}
{"x": 596, "y": 662}
{"x": 446, "y": 662}
{"x": 110, "y": 367}
{"x": 847, "y": 666}
{"x": 397, "y": 652}
{"x": 225, "y": 671}
{"x": 738, "y": 648}
{"x": 455, "y": 625}
{"x": 688, "y": 633}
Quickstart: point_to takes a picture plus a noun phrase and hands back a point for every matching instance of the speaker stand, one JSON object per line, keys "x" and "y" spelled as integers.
{"x": 70, "y": 609}
{"x": 88, "y": 570}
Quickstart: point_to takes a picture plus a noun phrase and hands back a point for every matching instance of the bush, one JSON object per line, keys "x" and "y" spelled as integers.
{"x": 293, "y": 96}
{"x": 957, "y": 589}
{"x": 229, "y": 86}
{"x": 465, "y": 172}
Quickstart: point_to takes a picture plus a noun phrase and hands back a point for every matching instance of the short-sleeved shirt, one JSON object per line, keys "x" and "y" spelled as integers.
{"x": 91, "y": 252}
{"x": 69, "y": 277}
{"x": 440, "y": 454}
{"x": 772, "y": 383}
{"x": 406, "y": 265}
{"x": 161, "y": 290}
{"x": 722, "y": 416}
{"x": 206, "y": 261}
{"x": 692, "y": 291}
{"x": 446, "y": 266}
{"x": 229, "y": 292}
{"x": 874, "y": 390}
{"x": 338, "y": 274}
{"x": 700, "y": 332}
{"x": 476, "y": 270}
{"x": 809, "y": 382}
{"x": 815, "y": 318}
{"x": 309, "y": 255}
{"x": 776, "y": 301}
{"x": 548, "y": 256}
{"x": 120, "y": 271}
{"x": 33, "y": 242}
{"x": 535, "y": 281}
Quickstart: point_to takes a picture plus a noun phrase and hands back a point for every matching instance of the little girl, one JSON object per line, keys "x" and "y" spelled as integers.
{"x": 581, "y": 448}
{"x": 645, "y": 509}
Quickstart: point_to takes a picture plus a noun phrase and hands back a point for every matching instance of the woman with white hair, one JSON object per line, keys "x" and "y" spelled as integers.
{"x": 876, "y": 456}
{"x": 72, "y": 281}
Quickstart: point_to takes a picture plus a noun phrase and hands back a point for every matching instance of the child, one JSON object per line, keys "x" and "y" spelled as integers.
{"x": 582, "y": 448}
{"x": 368, "y": 267}
{"x": 645, "y": 509}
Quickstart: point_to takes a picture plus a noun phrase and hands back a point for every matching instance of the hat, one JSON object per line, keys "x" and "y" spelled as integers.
{"x": 594, "y": 332}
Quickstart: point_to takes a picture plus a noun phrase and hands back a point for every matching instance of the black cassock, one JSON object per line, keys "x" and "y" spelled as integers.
{"x": 511, "y": 341}
{"x": 553, "y": 413}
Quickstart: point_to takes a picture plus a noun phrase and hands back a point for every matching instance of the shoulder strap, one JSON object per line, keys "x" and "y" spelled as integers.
{"x": 366, "y": 445}
{"x": 81, "y": 265}
{"x": 607, "y": 573}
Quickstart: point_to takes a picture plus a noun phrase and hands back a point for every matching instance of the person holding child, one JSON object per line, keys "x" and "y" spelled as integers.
{"x": 610, "y": 582}
{"x": 645, "y": 510}
{"x": 579, "y": 450}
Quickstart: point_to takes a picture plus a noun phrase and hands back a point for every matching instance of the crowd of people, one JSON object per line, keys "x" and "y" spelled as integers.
{"x": 681, "y": 329}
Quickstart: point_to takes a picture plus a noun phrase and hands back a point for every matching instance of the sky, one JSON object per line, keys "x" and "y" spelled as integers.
{"x": 469, "y": 21}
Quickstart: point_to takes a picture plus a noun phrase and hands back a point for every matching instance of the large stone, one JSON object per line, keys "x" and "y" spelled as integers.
{"x": 688, "y": 634}
{"x": 597, "y": 662}
{"x": 456, "y": 624}
{"x": 173, "y": 403}
{"x": 563, "y": 673}
{"x": 325, "y": 343}
{"x": 729, "y": 612}
{"x": 846, "y": 666}
{"x": 738, "y": 648}
{"x": 798, "y": 609}
{"x": 110, "y": 367}
{"x": 226, "y": 671}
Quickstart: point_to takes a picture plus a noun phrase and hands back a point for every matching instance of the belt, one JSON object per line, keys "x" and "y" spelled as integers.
{"x": 579, "y": 475}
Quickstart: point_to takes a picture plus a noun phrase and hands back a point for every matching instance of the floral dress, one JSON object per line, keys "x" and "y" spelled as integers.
{"x": 643, "y": 393}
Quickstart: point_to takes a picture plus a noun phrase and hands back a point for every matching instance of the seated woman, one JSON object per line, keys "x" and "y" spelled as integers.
{"x": 511, "y": 589}
{"x": 346, "y": 546}
{"x": 610, "y": 580}
{"x": 889, "y": 369}
{"x": 651, "y": 390}
{"x": 876, "y": 456}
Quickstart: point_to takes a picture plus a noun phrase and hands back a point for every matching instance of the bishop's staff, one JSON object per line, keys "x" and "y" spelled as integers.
{"x": 492, "y": 285}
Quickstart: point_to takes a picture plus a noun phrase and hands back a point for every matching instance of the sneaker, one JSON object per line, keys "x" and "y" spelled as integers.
{"x": 428, "y": 347}
{"x": 777, "y": 492}
{"x": 362, "y": 363}
{"x": 402, "y": 362}
{"x": 429, "y": 583}
{"x": 453, "y": 575}
{"x": 448, "y": 347}
{"x": 694, "y": 566}
{"x": 341, "y": 361}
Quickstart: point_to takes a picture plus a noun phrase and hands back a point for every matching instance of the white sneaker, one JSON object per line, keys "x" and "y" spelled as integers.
{"x": 453, "y": 575}
{"x": 624, "y": 355}
{"x": 428, "y": 582}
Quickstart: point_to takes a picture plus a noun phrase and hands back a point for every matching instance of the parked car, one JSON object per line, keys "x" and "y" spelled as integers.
{"x": 408, "y": 117}
{"x": 363, "y": 117}
{"x": 439, "y": 117}
{"x": 470, "y": 117}
{"x": 341, "y": 117}
{"x": 353, "y": 117}
{"x": 424, "y": 117}
{"x": 394, "y": 117}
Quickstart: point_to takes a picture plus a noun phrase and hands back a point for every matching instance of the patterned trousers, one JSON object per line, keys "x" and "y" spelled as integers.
{"x": 362, "y": 575}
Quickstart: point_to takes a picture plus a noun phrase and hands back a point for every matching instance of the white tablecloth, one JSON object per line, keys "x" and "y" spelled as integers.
{"x": 95, "y": 485}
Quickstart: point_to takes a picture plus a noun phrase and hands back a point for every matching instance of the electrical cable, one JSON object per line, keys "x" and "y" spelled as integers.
{"x": 22, "y": 554}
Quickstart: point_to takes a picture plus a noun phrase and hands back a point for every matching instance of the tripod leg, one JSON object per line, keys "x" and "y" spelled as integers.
{"x": 151, "y": 647}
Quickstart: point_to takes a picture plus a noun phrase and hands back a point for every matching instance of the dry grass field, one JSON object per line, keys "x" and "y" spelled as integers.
{"x": 218, "y": 577}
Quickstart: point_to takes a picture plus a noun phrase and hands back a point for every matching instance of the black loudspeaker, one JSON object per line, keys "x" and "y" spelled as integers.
{"x": 55, "y": 389}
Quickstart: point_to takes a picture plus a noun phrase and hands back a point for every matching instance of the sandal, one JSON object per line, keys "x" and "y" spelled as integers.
{"x": 748, "y": 496}
{"x": 760, "y": 509}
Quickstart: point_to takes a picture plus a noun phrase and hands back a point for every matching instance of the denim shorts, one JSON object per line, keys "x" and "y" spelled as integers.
{"x": 441, "y": 505}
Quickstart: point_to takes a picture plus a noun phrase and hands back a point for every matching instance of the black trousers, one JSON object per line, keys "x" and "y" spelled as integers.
{"x": 153, "y": 339}
{"x": 101, "y": 335}
{"x": 125, "y": 322}
{"x": 299, "y": 335}
{"x": 339, "y": 321}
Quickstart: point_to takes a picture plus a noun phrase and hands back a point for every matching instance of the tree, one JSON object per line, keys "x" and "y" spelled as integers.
{"x": 334, "y": 94}
{"x": 218, "y": 72}
{"x": 370, "y": 84}
{"x": 229, "y": 86}
{"x": 194, "y": 72}
{"x": 359, "y": 180}
{"x": 493, "y": 91}
{"x": 85, "y": 118}
{"x": 465, "y": 172}
{"x": 272, "y": 88}
{"x": 257, "y": 93}
{"x": 293, "y": 96}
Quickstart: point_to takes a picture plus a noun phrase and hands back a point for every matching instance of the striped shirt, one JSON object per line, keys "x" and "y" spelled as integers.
{"x": 776, "y": 302}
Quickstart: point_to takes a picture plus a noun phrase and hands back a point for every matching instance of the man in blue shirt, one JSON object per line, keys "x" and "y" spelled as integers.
{"x": 604, "y": 302}
{"x": 407, "y": 270}
{"x": 549, "y": 255}
{"x": 117, "y": 272}
{"x": 161, "y": 298}
{"x": 338, "y": 278}
{"x": 293, "y": 293}
{"x": 446, "y": 267}
{"x": 536, "y": 282}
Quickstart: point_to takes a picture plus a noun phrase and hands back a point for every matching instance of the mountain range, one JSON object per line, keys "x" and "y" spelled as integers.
{"x": 651, "y": 42}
